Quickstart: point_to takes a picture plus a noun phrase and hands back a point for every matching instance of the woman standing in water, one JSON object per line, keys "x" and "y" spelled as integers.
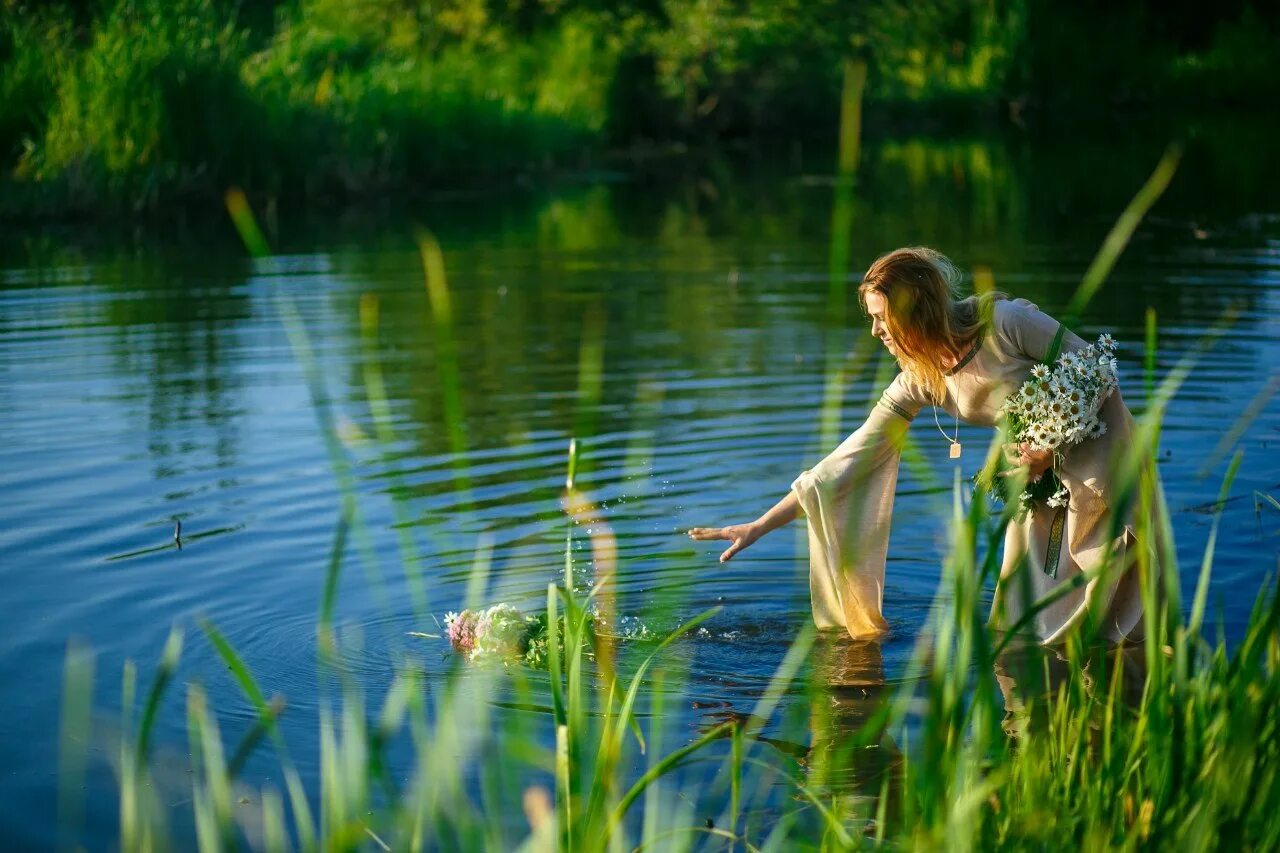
{"x": 963, "y": 356}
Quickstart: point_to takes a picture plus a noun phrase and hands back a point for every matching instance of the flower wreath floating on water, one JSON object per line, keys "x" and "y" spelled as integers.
{"x": 500, "y": 633}
{"x": 1057, "y": 408}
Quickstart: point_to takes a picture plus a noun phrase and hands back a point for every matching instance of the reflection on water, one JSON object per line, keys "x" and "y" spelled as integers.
{"x": 850, "y": 753}
{"x": 833, "y": 739}
{"x": 145, "y": 377}
{"x": 1031, "y": 677}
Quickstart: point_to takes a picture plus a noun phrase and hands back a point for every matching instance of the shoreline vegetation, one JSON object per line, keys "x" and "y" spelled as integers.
{"x": 138, "y": 105}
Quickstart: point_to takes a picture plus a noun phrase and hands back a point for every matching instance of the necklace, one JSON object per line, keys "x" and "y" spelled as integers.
{"x": 955, "y": 442}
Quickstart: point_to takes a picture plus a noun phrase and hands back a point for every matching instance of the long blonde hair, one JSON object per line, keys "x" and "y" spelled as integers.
{"x": 927, "y": 320}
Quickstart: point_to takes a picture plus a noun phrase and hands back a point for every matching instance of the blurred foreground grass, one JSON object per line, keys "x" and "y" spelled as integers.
{"x": 982, "y": 743}
{"x": 1171, "y": 742}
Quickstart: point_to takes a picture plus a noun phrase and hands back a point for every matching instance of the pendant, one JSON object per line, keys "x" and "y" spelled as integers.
{"x": 955, "y": 450}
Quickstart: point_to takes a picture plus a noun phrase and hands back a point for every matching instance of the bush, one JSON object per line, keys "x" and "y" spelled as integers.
{"x": 30, "y": 48}
{"x": 364, "y": 115}
{"x": 153, "y": 106}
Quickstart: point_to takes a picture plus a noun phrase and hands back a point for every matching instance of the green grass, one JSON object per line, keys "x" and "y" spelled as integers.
{"x": 172, "y": 101}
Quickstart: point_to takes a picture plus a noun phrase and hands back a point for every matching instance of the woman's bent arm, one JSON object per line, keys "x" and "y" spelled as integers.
{"x": 743, "y": 535}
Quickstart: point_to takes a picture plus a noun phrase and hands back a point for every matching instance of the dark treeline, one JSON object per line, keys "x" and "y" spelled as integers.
{"x": 112, "y": 102}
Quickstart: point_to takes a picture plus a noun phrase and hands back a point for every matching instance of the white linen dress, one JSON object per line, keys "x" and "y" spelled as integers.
{"x": 847, "y": 500}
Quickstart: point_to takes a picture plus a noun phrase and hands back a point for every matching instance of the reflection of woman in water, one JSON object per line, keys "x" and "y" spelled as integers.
{"x": 842, "y": 756}
{"x": 963, "y": 356}
{"x": 1031, "y": 681}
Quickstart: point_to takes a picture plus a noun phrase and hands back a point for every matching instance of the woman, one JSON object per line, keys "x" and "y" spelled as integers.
{"x": 963, "y": 356}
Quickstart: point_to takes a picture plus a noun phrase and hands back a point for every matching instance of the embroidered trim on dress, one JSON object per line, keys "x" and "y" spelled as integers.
{"x": 1054, "y": 554}
{"x": 973, "y": 350}
{"x": 896, "y": 409}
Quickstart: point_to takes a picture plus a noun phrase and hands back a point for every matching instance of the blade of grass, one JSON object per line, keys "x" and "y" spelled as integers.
{"x": 613, "y": 735}
{"x": 275, "y": 839}
{"x": 1120, "y": 233}
{"x": 73, "y": 737}
{"x": 164, "y": 674}
{"x": 300, "y": 342}
{"x": 782, "y": 677}
{"x": 263, "y": 725}
{"x": 447, "y": 360}
{"x": 238, "y": 669}
{"x": 380, "y": 410}
{"x": 246, "y": 224}
{"x": 1250, "y": 414}
{"x": 129, "y": 783}
{"x": 332, "y": 573}
{"x": 553, "y": 655}
{"x": 1206, "y": 563}
{"x": 242, "y": 215}
{"x": 660, "y": 769}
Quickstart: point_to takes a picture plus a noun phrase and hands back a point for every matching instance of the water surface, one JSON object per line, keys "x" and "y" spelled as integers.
{"x": 146, "y": 378}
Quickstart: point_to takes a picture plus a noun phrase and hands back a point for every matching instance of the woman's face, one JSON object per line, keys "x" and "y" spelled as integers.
{"x": 876, "y": 307}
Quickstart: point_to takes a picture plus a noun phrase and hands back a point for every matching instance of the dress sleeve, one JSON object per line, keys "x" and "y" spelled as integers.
{"x": 847, "y": 499}
{"x": 1028, "y": 331}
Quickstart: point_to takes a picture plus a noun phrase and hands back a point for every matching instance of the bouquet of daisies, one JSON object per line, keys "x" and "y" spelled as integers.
{"x": 500, "y": 633}
{"x": 1056, "y": 408}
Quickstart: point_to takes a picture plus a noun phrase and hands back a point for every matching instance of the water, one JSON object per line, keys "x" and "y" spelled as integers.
{"x": 145, "y": 378}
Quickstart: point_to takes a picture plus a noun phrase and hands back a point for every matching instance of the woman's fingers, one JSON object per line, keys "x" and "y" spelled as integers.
{"x": 709, "y": 533}
{"x": 1017, "y": 454}
{"x": 740, "y": 541}
{"x": 739, "y": 534}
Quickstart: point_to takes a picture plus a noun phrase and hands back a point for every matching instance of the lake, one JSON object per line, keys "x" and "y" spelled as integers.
{"x": 146, "y": 378}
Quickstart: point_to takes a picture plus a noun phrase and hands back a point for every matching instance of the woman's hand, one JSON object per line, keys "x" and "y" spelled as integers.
{"x": 742, "y": 535}
{"x": 1035, "y": 461}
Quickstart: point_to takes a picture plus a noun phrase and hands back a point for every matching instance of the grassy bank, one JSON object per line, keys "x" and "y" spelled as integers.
{"x": 134, "y": 103}
{"x": 160, "y": 102}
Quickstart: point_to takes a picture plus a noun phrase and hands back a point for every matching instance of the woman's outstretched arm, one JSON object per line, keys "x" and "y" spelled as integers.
{"x": 742, "y": 535}
{"x": 843, "y": 469}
